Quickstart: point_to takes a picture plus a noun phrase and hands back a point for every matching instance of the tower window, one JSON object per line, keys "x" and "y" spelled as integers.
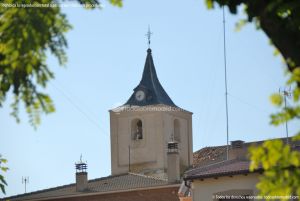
{"x": 137, "y": 129}
{"x": 176, "y": 130}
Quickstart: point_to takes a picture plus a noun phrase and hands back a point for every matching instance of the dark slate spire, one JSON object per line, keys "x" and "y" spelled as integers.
{"x": 149, "y": 91}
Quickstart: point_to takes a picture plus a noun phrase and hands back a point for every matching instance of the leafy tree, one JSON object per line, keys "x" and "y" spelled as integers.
{"x": 27, "y": 34}
{"x": 2, "y": 169}
{"x": 281, "y": 168}
{"x": 280, "y": 20}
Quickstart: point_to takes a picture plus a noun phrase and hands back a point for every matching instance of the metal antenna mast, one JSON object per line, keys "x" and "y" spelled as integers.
{"x": 226, "y": 91}
{"x": 286, "y": 93}
{"x": 25, "y": 181}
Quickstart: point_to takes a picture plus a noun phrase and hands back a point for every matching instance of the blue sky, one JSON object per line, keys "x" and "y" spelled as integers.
{"x": 106, "y": 55}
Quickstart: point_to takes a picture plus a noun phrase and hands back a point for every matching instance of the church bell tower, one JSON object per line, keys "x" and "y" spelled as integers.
{"x": 141, "y": 128}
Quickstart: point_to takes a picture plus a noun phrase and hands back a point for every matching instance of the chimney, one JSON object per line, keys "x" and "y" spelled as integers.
{"x": 238, "y": 150}
{"x": 81, "y": 176}
{"x": 237, "y": 144}
{"x": 173, "y": 162}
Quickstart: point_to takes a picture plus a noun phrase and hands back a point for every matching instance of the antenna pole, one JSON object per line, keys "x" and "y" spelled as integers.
{"x": 226, "y": 91}
{"x": 25, "y": 181}
{"x": 286, "y": 93}
{"x": 286, "y": 123}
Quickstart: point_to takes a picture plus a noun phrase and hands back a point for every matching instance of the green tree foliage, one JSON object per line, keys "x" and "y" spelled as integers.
{"x": 281, "y": 168}
{"x": 26, "y": 36}
{"x": 2, "y": 169}
{"x": 280, "y": 20}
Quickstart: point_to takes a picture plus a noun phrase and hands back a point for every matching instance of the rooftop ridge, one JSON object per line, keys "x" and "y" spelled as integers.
{"x": 106, "y": 177}
{"x": 225, "y": 162}
{"x": 147, "y": 176}
{"x": 246, "y": 143}
{"x": 214, "y": 154}
{"x": 63, "y": 186}
{"x": 39, "y": 191}
{"x": 230, "y": 167}
{"x": 146, "y": 180}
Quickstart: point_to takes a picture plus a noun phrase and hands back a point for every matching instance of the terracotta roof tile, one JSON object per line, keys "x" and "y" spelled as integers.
{"x": 106, "y": 184}
{"x": 229, "y": 167}
{"x": 209, "y": 155}
{"x": 211, "y": 161}
{"x": 214, "y": 154}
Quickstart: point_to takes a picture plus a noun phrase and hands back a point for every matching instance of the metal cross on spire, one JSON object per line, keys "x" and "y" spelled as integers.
{"x": 149, "y": 33}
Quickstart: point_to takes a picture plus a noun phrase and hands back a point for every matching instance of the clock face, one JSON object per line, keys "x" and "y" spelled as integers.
{"x": 140, "y": 95}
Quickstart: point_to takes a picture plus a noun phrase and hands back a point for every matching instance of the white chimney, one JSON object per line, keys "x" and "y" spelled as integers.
{"x": 173, "y": 162}
{"x": 238, "y": 150}
{"x": 81, "y": 176}
{"x": 81, "y": 181}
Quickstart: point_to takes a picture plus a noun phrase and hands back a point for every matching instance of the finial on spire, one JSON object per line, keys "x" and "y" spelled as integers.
{"x": 149, "y": 33}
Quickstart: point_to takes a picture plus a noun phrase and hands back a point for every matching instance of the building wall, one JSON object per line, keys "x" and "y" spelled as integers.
{"x": 164, "y": 194}
{"x": 149, "y": 155}
{"x": 185, "y": 144}
{"x": 208, "y": 189}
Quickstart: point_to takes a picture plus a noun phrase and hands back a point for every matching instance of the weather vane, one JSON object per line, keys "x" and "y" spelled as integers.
{"x": 149, "y": 33}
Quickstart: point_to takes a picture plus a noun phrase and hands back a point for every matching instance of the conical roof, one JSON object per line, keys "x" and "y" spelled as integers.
{"x": 149, "y": 91}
